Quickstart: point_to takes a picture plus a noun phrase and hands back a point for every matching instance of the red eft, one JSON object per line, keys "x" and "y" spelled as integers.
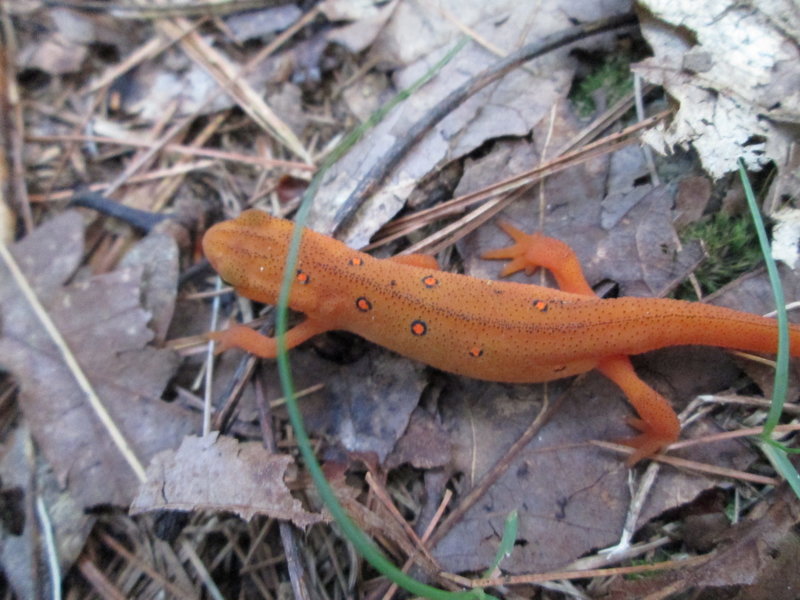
{"x": 497, "y": 331}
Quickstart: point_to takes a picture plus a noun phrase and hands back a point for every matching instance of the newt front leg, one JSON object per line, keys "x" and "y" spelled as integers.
{"x": 249, "y": 340}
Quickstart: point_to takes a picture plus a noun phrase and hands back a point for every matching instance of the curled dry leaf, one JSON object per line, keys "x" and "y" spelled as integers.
{"x": 218, "y": 473}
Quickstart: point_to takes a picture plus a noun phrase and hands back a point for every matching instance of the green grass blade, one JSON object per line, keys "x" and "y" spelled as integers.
{"x": 774, "y": 451}
{"x": 506, "y": 544}
{"x": 780, "y": 461}
{"x": 782, "y": 360}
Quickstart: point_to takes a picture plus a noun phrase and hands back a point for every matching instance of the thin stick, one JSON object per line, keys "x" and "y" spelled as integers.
{"x": 669, "y": 565}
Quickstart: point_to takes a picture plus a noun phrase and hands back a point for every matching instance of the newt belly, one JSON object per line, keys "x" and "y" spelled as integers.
{"x": 492, "y": 330}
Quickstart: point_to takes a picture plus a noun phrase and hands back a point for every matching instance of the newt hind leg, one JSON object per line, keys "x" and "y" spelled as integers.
{"x": 657, "y": 422}
{"x": 532, "y": 251}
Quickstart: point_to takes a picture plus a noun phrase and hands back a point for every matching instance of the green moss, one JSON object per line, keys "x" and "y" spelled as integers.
{"x": 613, "y": 75}
{"x": 732, "y": 249}
{"x": 658, "y": 556}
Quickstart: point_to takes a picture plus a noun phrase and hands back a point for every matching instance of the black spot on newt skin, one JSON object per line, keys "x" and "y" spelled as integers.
{"x": 419, "y": 328}
{"x": 541, "y": 305}
{"x": 429, "y": 281}
{"x": 363, "y": 304}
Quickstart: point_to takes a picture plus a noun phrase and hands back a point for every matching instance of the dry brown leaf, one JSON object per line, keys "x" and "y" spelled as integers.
{"x": 20, "y": 538}
{"x": 571, "y": 497}
{"x": 620, "y": 230}
{"x": 755, "y": 560}
{"x": 365, "y": 405}
{"x": 368, "y": 404}
{"x": 691, "y": 202}
{"x": 105, "y": 327}
{"x": 157, "y": 256}
{"x": 218, "y": 473}
{"x": 424, "y": 445}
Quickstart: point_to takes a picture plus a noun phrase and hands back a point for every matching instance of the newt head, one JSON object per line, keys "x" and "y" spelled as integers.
{"x": 249, "y": 253}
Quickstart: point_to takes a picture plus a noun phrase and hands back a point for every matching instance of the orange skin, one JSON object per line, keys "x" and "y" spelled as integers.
{"x": 497, "y": 331}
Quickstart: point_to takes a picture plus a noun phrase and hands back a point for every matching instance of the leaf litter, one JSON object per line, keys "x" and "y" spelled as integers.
{"x": 376, "y": 409}
{"x": 736, "y": 81}
{"x": 504, "y": 109}
{"x": 105, "y": 327}
{"x": 218, "y": 473}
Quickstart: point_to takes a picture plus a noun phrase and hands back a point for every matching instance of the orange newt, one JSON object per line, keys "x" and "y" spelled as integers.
{"x": 497, "y": 331}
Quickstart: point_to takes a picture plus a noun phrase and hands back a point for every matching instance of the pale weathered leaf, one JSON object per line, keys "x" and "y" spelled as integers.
{"x": 219, "y": 473}
{"x": 786, "y": 235}
{"x": 729, "y": 65}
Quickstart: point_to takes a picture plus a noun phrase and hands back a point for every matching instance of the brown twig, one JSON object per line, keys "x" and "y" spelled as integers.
{"x": 133, "y": 10}
{"x": 133, "y": 142}
{"x": 668, "y": 565}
